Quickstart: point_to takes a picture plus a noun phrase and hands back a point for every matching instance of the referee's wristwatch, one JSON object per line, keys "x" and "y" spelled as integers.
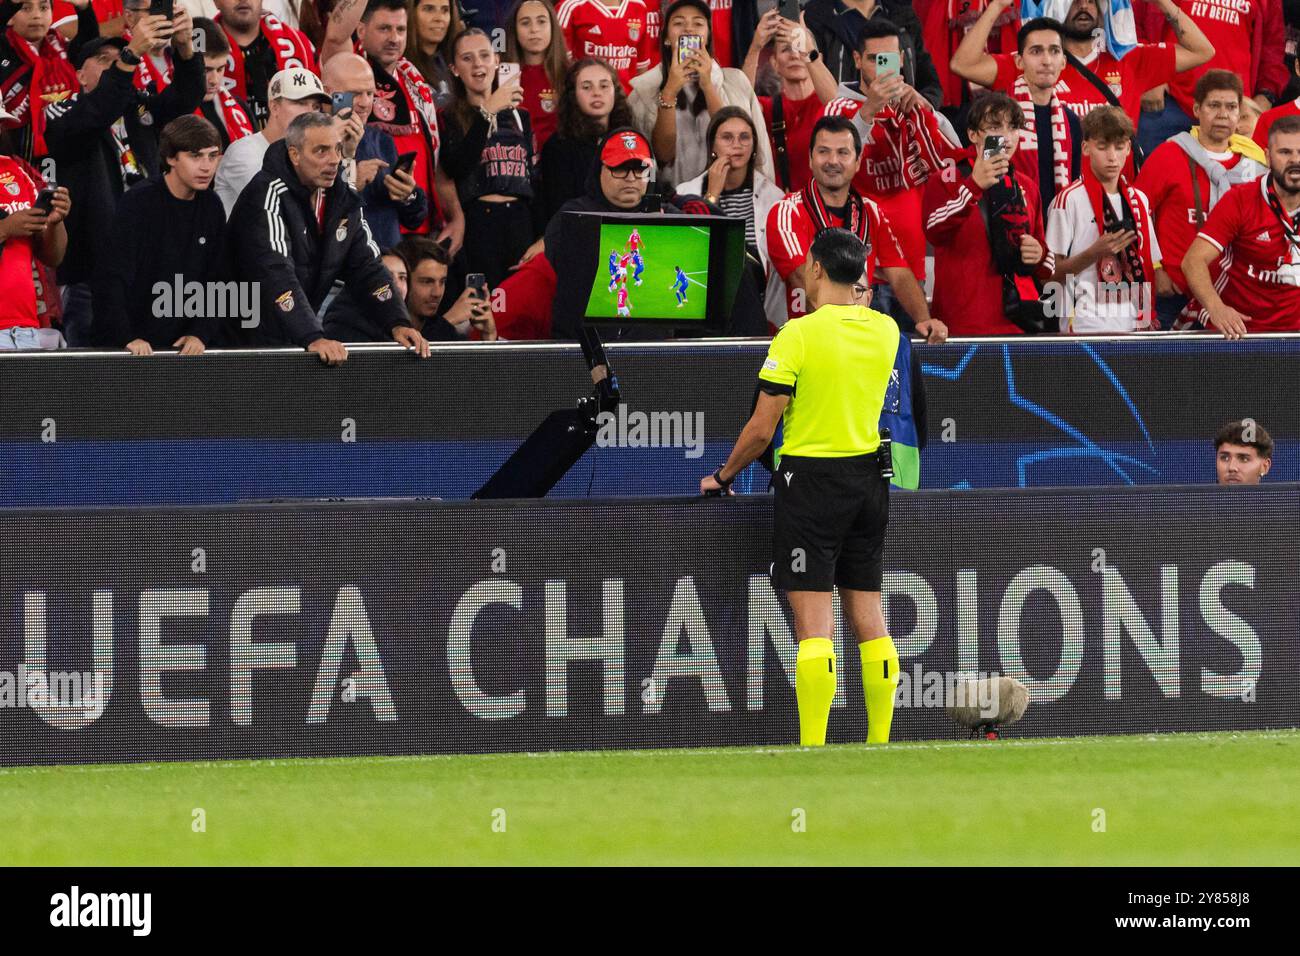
{"x": 723, "y": 486}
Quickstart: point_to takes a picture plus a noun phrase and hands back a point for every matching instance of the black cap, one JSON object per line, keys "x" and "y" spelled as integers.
{"x": 96, "y": 47}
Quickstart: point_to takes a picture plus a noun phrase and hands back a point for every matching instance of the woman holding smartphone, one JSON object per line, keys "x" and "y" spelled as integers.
{"x": 487, "y": 150}
{"x": 432, "y": 26}
{"x": 535, "y": 40}
{"x": 673, "y": 103}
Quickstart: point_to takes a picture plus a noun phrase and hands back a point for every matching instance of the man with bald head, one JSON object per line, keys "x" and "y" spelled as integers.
{"x": 389, "y": 195}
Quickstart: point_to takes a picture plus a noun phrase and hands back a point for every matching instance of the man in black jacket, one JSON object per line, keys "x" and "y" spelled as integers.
{"x": 296, "y": 229}
{"x": 835, "y": 24}
{"x": 105, "y": 140}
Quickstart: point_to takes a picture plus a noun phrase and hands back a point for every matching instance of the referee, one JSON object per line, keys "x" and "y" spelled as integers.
{"x": 828, "y": 372}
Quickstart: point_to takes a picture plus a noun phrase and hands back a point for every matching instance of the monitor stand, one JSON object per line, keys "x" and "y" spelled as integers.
{"x": 562, "y": 438}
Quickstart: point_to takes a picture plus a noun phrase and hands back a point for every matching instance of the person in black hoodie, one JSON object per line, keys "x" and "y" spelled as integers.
{"x": 105, "y": 140}
{"x": 619, "y": 182}
{"x": 166, "y": 243}
{"x": 835, "y": 24}
{"x": 296, "y": 229}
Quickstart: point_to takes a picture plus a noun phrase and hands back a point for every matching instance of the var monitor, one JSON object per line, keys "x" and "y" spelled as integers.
{"x": 639, "y": 270}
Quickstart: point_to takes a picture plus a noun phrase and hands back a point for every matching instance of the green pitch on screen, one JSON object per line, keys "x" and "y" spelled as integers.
{"x": 663, "y": 248}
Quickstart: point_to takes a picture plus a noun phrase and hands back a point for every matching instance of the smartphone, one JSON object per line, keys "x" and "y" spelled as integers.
{"x": 886, "y": 64}
{"x": 161, "y": 8}
{"x": 341, "y": 102}
{"x": 766, "y": 6}
{"x": 790, "y": 10}
{"x": 994, "y": 145}
{"x": 1124, "y": 225}
{"x": 688, "y": 44}
{"x": 478, "y": 282}
{"x": 44, "y": 201}
{"x": 405, "y": 162}
{"x": 507, "y": 73}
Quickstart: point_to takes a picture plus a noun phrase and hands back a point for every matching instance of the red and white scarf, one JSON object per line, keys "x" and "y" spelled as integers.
{"x": 290, "y": 46}
{"x": 238, "y": 123}
{"x": 1133, "y": 265}
{"x": 43, "y": 76}
{"x": 419, "y": 98}
{"x": 1026, "y": 158}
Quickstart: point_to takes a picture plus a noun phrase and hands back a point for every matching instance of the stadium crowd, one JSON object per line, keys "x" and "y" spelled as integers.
{"x": 1075, "y": 166}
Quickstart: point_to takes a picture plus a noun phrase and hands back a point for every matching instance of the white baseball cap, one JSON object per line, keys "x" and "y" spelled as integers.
{"x": 295, "y": 83}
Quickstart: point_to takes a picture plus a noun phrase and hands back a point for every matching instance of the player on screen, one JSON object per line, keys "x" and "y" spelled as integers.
{"x": 638, "y": 264}
{"x": 613, "y": 269}
{"x": 624, "y": 306}
{"x": 680, "y": 283}
{"x": 634, "y": 241}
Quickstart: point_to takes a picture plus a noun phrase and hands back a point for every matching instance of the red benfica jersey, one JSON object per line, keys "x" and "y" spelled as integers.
{"x": 17, "y": 281}
{"x": 790, "y": 231}
{"x": 1167, "y": 181}
{"x": 1250, "y": 235}
{"x": 618, "y": 35}
{"x": 881, "y": 175}
{"x": 1226, "y": 24}
{"x": 541, "y": 100}
{"x": 1146, "y": 66}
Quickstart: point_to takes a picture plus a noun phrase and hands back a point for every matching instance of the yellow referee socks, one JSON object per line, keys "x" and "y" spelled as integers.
{"x": 814, "y": 687}
{"x": 880, "y": 682}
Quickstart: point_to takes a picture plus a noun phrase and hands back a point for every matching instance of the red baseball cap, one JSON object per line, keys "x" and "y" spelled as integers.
{"x": 625, "y": 146}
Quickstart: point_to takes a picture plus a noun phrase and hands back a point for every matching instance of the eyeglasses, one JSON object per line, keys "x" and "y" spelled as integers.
{"x": 628, "y": 172}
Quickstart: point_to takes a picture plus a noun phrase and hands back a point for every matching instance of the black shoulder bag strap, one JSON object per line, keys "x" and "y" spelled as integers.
{"x": 1196, "y": 192}
{"x": 778, "y": 140}
{"x": 1104, "y": 89}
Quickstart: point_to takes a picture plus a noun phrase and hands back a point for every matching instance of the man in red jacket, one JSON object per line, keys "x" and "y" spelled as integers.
{"x": 983, "y": 218}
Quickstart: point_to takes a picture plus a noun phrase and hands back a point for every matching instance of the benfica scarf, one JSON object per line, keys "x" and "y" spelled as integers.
{"x": 946, "y": 24}
{"x": 42, "y": 76}
{"x": 237, "y": 122}
{"x": 289, "y": 47}
{"x": 859, "y": 222}
{"x": 1006, "y": 221}
{"x": 1026, "y": 158}
{"x": 419, "y": 101}
{"x": 1132, "y": 265}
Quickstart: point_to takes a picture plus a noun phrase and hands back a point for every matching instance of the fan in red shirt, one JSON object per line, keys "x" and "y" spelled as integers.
{"x": 27, "y": 235}
{"x": 535, "y": 40}
{"x": 615, "y": 33}
{"x": 106, "y": 11}
{"x": 1247, "y": 36}
{"x": 1176, "y": 179}
{"x": 806, "y": 86}
{"x": 829, "y": 201}
{"x": 903, "y": 143}
{"x": 1147, "y": 65}
{"x": 984, "y": 220}
{"x": 1266, "y": 121}
{"x": 1256, "y": 230}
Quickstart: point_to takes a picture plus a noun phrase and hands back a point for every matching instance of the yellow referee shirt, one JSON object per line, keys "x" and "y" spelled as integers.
{"x": 836, "y": 363}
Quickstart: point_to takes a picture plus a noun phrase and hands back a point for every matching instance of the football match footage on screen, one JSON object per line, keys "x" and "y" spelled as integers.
{"x": 650, "y": 272}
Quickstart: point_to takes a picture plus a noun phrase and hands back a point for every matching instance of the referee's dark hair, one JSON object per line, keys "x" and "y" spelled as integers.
{"x": 835, "y": 124}
{"x": 841, "y": 254}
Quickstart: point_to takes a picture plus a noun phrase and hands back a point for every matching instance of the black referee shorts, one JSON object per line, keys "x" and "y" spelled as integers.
{"x": 830, "y": 519}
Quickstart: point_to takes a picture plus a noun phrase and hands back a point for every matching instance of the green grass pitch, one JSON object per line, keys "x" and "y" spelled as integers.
{"x": 1226, "y": 798}
{"x": 664, "y": 248}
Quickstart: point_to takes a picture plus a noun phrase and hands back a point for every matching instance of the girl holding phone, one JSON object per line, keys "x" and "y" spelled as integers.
{"x": 673, "y": 102}
{"x": 487, "y": 150}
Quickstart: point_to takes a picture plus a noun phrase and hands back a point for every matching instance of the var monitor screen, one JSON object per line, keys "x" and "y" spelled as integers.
{"x": 672, "y": 271}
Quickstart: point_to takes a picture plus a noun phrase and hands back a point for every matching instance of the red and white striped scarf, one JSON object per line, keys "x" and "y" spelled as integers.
{"x": 290, "y": 46}
{"x": 1026, "y": 158}
{"x": 43, "y": 76}
{"x": 419, "y": 97}
{"x": 238, "y": 123}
